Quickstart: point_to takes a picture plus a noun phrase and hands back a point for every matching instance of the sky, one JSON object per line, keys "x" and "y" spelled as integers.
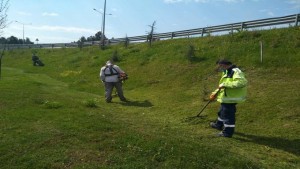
{"x": 65, "y": 21}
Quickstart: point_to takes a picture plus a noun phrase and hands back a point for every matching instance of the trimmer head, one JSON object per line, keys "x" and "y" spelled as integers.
{"x": 193, "y": 119}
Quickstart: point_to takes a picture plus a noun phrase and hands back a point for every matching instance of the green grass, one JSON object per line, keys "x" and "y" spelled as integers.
{"x": 56, "y": 116}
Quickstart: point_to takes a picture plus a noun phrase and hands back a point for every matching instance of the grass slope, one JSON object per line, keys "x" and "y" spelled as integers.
{"x": 56, "y": 117}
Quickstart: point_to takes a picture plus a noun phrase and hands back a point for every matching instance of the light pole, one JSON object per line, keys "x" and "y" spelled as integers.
{"x": 23, "y": 29}
{"x": 103, "y": 37}
{"x": 103, "y": 24}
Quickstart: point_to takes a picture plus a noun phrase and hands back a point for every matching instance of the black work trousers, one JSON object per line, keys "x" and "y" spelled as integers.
{"x": 226, "y": 118}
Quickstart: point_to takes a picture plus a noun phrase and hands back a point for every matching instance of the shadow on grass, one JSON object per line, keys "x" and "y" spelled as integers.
{"x": 144, "y": 103}
{"x": 197, "y": 59}
{"x": 291, "y": 146}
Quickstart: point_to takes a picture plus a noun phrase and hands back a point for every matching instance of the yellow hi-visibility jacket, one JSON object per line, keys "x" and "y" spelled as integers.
{"x": 234, "y": 81}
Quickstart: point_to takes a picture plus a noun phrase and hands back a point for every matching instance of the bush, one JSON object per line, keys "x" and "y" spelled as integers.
{"x": 91, "y": 103}
{"x": 191, "y": 53}
{"x": 52, "y": 105}
{"x": 115, "y": 57}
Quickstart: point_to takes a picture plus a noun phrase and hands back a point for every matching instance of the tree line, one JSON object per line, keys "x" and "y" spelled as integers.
{"x": 14, "y": 40}
{"x": 96, "y": 37}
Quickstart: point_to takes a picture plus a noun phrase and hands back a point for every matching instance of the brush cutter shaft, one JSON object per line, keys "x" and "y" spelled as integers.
{"x": 203, "y": 108}
{"x": 208, "y": 103}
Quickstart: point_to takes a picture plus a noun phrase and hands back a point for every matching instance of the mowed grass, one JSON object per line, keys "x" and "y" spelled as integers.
{"x": 56, "y": 117}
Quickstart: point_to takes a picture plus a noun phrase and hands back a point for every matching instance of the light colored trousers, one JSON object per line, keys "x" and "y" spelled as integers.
{"x": 109, "y": 88}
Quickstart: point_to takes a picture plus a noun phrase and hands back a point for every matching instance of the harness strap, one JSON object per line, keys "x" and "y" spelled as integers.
{"x": 111, "y": 71}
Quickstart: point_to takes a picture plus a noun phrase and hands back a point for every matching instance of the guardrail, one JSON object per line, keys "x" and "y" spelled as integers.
{"x": 284, "y": 20}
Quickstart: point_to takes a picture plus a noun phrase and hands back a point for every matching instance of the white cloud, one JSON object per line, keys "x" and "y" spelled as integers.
{"x": 58, "y": 34}
{"x": 172, "y": 1}
{"x": 48, "y": 28}
{"x": 49, "y": 14}
{"x": 202, "y": 1}
{"x": 24, "y": 13}
{"x": 63, "y": 29}
{"x": 270, "y": 13}
{"x": 229, "y": 1}
{"x": 296, "y": 3}
{"x": 55, "y": 39}
{"x": 263, "y": 10}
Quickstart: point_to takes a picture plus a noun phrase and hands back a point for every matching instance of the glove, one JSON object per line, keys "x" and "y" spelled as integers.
{"x": 212, "y": 97}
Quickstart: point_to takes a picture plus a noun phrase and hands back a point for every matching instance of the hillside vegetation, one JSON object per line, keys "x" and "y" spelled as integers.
{"x": 56, "y": 116}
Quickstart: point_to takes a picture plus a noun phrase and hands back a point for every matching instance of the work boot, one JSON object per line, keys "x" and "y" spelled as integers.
{"x": 221, "y": 134}
{"x": 124, "y": 100}
{"x": 216, "y": 126}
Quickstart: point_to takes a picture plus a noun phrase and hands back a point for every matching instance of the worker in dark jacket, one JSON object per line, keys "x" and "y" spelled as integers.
{"x": 231, "y": 90}
{"x": 36, "y": 61}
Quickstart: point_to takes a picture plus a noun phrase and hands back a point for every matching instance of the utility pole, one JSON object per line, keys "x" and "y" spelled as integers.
{"x": 103, "y": 27}
{"x": 102, "y": 15}
{"x": 23, "y": 29}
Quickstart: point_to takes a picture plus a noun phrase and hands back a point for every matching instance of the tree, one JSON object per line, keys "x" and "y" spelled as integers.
{"x": 27, "y": 41}
{"x": 37, "y": 41}
{"x": 20, "y": 41}
{"x": 82, "y": 39}
{"x": 98, "y": 35}
{"x": 3, "y": 14}
{"x": 91, "y": 38}
{"x": 126, "y": 43}
{"x": 13, "y": 40}
{"x": 3, "y": 24}
{"x": 80, "y": 42}
{"x": 150, "y": 35}
{"x": 2, "y": 40}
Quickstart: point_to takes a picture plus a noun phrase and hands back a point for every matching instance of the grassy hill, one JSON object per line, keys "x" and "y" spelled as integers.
{"x": 56, "y": 117}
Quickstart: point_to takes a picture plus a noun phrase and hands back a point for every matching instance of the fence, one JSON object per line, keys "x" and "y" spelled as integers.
{"x": 285, "y": 21}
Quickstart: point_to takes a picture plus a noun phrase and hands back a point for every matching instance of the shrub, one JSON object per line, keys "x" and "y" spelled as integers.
{"x": 190, "y": 53}
{"x": 115, "y": 57}
{"x": 52, "y": 105}
{"x": 90, "y": 103}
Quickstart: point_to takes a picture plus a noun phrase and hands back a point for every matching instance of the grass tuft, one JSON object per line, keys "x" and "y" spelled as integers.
{"x": 92, "y": 103}
{"x": 52, "y": 104}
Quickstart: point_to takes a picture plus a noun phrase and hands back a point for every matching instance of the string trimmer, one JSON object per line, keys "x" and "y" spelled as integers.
{"x": 210, "y": 100}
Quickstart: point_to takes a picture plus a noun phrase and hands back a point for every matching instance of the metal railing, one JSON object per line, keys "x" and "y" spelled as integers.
{"x": 285, "y": 20}
{"x": 289, "y": 20}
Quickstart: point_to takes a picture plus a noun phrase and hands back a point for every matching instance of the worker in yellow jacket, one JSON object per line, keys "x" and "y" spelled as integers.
{"x": 231, "y": 90}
